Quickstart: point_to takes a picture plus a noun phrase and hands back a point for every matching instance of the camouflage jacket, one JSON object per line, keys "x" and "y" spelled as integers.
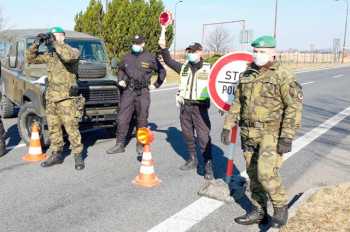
{"x": 61, "y": 66}
{"x": 270, "y": 96}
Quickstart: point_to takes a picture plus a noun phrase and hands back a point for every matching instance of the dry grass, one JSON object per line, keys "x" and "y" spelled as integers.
{"x": 326, "y": 210}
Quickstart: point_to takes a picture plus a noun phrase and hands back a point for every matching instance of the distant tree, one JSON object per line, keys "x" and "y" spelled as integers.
{"x": 90, "y": 21}
{"x": 3, "y": 21}
{"x": 152, "y": 29}
{"x": 116, "y": 28}
{"x": 219, "y": 40}
{"x": 126, "y": 19}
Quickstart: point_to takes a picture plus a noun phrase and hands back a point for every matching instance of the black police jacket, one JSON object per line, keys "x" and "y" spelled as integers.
{"x": 138, "y": 67}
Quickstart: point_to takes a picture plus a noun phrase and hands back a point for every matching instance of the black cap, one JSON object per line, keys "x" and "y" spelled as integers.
{"x": 138, "y": 39}
{"x": 194, "y": 47}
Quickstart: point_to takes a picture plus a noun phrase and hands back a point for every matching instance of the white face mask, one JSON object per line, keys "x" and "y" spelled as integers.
{"x": 193, "y": 57}
{"x": 260, "y": 59}
{"x": 136, "y": 48}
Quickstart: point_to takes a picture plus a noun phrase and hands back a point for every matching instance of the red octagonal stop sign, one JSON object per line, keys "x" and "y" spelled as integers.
{"x": 224, "y": 76}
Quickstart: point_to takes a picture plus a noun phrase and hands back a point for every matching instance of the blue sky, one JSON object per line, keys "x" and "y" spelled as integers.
{"x": 299, "y": 22}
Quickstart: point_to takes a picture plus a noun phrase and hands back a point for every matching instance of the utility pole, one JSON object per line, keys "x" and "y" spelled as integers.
{"x": 274, "y": 34}
{"x": 175, "y": 31}
{"x": 107, "y": 6}
{"x": 346, "y": 25}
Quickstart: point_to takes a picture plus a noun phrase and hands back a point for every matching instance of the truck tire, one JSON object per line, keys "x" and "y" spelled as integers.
{"x": 26, "y": 118}
{"x": 92, "y": 69}
{"x": 6, "y": 107}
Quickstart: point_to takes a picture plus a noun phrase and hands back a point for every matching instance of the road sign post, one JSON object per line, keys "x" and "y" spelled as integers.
{"x": 223, "y": 79}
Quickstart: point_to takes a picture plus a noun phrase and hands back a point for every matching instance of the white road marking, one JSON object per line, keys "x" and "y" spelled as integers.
{"x": 338, "y": 76}
{"x": 306, "y": 83}
{"x": 195, "y": 212}
{"x": 159, "y": 90}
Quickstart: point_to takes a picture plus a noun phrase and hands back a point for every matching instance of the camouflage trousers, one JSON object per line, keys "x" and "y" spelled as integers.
{"x": 63, "y": 113}
{"x": 262, "y": 163}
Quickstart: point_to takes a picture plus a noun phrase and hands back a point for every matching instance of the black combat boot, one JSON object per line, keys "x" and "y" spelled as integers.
{"x": 79, "y": 162}
{"x": 118, "y": 148}
{"x": 139, "y": 148}
{"x": 2, "y": 147}
{"x": 55, "y": 158}
{"x": 209, "y": 174}
{"x": 191, "y": 163}
{"x": 280, "y": 217}
{"x": 257, "y": 215}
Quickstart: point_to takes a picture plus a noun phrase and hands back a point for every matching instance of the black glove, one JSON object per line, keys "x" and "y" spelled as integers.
{"x": 39, "y": 39}
{"x": 284, "y": 145}
{"x": 225, "y": 137}
{"x": 50, "y": 39}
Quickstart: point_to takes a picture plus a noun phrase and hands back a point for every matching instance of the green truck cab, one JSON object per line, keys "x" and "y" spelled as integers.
{"x": 23, "y": 84}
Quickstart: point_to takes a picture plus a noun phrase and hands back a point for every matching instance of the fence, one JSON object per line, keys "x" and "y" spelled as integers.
{"x": 309, "y": 58}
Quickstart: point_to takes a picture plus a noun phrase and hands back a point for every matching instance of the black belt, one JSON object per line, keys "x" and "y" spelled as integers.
{"x": 136, "y": 86}
{"x": 196, "y": 103}
{"x": 266, "y": 125}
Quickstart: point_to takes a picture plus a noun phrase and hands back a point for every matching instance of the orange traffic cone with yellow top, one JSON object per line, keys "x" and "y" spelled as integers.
{"x": 147, "y": 177}
{"x": 35, "y": 153}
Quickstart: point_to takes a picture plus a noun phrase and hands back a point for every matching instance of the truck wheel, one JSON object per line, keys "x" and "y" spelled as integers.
{"x": 6, "y": 107}
{"x": 26, "y": 118}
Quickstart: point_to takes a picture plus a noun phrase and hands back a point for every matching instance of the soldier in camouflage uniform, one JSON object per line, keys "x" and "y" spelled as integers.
{"x": 267, "y": 106}
{"x": 62, "y": 67}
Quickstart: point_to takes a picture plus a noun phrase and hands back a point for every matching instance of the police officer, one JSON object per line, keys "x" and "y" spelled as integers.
{"x": 195, "y": 102}
{"x": 134, "y": 76}
{"x": 61, "y": 109}
{"x": 267, "y": 106}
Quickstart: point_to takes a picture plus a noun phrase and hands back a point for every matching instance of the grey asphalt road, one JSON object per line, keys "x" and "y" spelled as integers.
{"x": 102, "y": 198}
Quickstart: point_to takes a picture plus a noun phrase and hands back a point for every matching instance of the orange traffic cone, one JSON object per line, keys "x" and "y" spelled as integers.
{"x": 35, "y": 153}
{"x": 147, "y": 177}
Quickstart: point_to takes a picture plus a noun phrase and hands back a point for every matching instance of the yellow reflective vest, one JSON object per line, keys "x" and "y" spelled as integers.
{"x": 194, "y": 87}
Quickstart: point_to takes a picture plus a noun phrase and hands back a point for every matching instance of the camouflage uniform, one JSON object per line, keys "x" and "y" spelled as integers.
{"x": 62, "y": 66}
{"x": 267, "y": 105}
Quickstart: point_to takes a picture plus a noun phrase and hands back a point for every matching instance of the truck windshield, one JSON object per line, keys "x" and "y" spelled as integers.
{"x": 88, "y": 49}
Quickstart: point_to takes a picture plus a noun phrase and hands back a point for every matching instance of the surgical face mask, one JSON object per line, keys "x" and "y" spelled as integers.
{"x": 193, "y": 57}
{"x": 136, "y": 48}
{"x": 260, "y": 59}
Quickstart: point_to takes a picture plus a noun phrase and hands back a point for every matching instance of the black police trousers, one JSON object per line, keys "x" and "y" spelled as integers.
{"x": 2, "y": 130}
{"x": 130, "y": 102}
{"x": 195, "y": 117}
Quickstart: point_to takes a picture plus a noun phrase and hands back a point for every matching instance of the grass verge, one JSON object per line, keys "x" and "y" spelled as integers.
{"x": 326, "y": 210}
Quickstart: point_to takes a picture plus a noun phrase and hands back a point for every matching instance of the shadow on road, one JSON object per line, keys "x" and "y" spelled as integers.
{"x": 175, "y": 139}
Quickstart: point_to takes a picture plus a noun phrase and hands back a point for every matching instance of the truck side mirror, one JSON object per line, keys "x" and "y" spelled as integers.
{"x": 114, "y": 62}
{"x": 13, "y": 61}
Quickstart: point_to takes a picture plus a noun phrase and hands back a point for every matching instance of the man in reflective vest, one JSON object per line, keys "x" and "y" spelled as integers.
{"x": 194, "y": 101}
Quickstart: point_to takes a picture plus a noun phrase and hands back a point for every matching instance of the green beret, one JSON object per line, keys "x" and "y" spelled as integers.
{"x": 56, "y": 30}
{"x": 264, "y": 42}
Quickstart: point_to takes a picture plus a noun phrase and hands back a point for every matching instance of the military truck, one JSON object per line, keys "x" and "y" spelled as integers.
{"x": 23, "y": 84}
